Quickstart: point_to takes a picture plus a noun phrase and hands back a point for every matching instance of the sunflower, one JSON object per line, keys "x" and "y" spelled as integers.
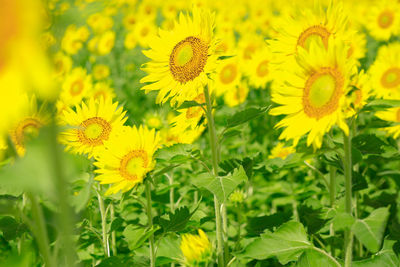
{"x": 101, "y": 71}
{"x": 383, "y": 19}
{"x": 385, "y": 72}
{"x": 190, "y": 118}
{"x": 62, "y": 65}
{"x": 181, "y": 58}
{"x": 228, "y": 75}
{"x": 91, "y": 125}
{"x": 30, "y": 121}
{"x": 76, "y": 86}
{"x": 280, "y": 151}
{"x": 391, "y": 115}
{"x": 299, "y": 29}
{"x": 236, "y": 95}
{"x": 102, "y": 90}
{"x": 259, "y": 69}
{"x": 313, "y": 94}
{"x": 195, "y": 248}
{"x": 174, "y": 135}
{"x": 128, "y": 157}
{"x": 144, "y": 31}
{"x": 360, "y": 91}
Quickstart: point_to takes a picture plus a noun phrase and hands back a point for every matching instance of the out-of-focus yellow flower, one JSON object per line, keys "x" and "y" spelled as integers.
{"x": 144, "y": 31}
{"x": 130, "y": 20}
{"x": 106, "y": 43}
{"x": 47, "y": 40}
{"x": 100, "y": 22}
{"x": 236, "y": 95}
{"x": 391, "y": 115}
{"x": 128, "y": 157}
{"x": 62, "y": 64}
{"x": 76, "y": 86}
{"x": 101, "y": 71}
{"x": 154, "y": 120}
{"x": 195, "y": 248}
{"x": 102, "y": 90}
{"x": 361, "y": 91}
{"x": 27, "y": 126}
{"x": 259, "y": 69}
{"x": 383, "y": 19}
{"x": 385, "y": 72}
{"x": 130, "y": 40}
{"x": 228, "y": 75}
{"x": 280, "y": 151}
{"x": 73, "y": 39}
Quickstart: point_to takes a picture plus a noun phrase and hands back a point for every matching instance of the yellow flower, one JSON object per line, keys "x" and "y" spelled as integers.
{"x": 154, "y": 120}
{"x": 228, "y": 75}
{"x": 62, "y": 64}
{"x": 144, "y": 32}
{"x": 280, "y": 151}
{"x": 101, "y": 71}
{"x": 130, "y": 40}
{"x": 391, "y": 115}
{"x": 312, "y": 95}
{"x": 175, "y": 135}
{"x": 259, "y": 69}
{"x": 76, "y": 86}
{"x": 130, "y": 20}
{"x": 361, "y": 90}
{"x": 383, "y": 19}
{"x": 73, "y": 39}
{"x": 195, "y": 248}
{"x": 236, "y": 95}
{"x": 28, "y": 124}
{"x": 128, "y": 157}
{"x": 91, "y": 125}
{"x": 106, "y": 43}
{"x": 304, "y": 25}
{"x": 100, "y": 22}
{"x": 102, "y": 90}
{"x": 385, "y": 72}
{"x": 248, "y": 45}
{"x": 181, "y": 58}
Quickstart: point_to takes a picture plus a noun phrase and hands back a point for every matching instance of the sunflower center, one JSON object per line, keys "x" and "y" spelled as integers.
{"x": 228, "y": 73}
{"x": 262, "y": 68}
{"x": 322, "y": 92}
{"x": 76, "y": 87}
{"x": 391, "y": 78}
{"x": 133, "y": 165}
{"x": 188, "y": 59}
{"x": 313, "y": 33}
{"x": 385, "y": 19}
{"x": 94, "y": 131}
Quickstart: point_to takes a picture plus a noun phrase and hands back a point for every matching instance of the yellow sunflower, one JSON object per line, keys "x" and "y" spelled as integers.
{"x": 236, "y": 95}
{"x": 259, "y": 69}
{"x": 361, "y": 91}
{"x": 76, "y": 86}
{"x": 30, "y": 121}
{"x": 189, "y": 118}
{"x": 385, "y": 72}
{"x": 228, "y": 75}
{"x": 391, "y": 115}
{"x": 280, "y": 151}
{"x": 62, "y": 65}
{"x": 300, "y": 28}
{"x": 181, "y": 58}
{"x": 173, "y": 135}
{"x": 102, "y": 90}
{"x": 195, "y": 248}
{"x": 313, "y": 93}
{"x": 91, "y": 125}
{"x": 128, "y": 157}
{"x": 383, "y": 19}
{"x": 101, "y": 71}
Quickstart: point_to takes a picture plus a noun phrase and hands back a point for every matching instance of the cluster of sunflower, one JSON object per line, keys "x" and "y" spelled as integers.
{"x": 310, "y": 57}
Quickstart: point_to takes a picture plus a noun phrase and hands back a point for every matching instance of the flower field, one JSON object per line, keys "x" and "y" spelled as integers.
{"x": 199, "y": 133}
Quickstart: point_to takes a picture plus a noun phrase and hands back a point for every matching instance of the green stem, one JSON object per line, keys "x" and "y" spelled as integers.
{"x": 348, "y": 244}
{"x": 332, "y": 198}
{"x": 215, "y": 157}
{"x": 171, "y": 192}
{"x": 103, "y": 225}
{"x": 40, "y": 231}
{"x": 113, "y": 238}
{"x": 150, "y": 223}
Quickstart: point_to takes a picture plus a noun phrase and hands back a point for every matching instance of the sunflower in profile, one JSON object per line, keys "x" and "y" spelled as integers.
{"x": 383, "y": 19}
{"x": 385, "y": 72}
{"x": 181, "y": 59}
{"x": 190, "y": 118}
{"x": 301, "y": 27}
{"x": 91, "y": 125}
{"x": 391, "y": 115}
{"x": 360, "y": 91}
{"x": 127, "y": 158}
{"x": 313, "y": 95}
{"x": 27, "y": 126}
{"x": 281, "y": 151}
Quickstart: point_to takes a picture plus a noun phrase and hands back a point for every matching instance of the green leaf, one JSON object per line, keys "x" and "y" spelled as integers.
{"x": 136, "y": 236}
{"x": 342, "y": 221}
{"x": 177, "y": 221}
{"x": 379, "y": 104}
{"x": 245, "y": 116}
{"x": 384, "y": 258}
{"x": 109, "y": 262}
{"x": 287, "y": 244}
{"x": 368, "y": 144}
{"x": 312, "y": 258}
{"x": 176, "y": 154}
{"x": 225, "y": 57}
{"x": 11, "y": 228}
{"x": 371, "y": 229}
{"x": 221, "y": 186}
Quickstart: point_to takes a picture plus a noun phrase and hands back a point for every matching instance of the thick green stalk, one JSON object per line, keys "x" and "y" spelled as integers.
{"x": 40, "y": 232}
{"x": 103, "y": 225}
{"x": 215, "y": 157}
{"x": 332, "y": 198}
{"x": 348, "y": 168}
{"x": 150, "y": 223}
{"x": 113, "y": 238}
